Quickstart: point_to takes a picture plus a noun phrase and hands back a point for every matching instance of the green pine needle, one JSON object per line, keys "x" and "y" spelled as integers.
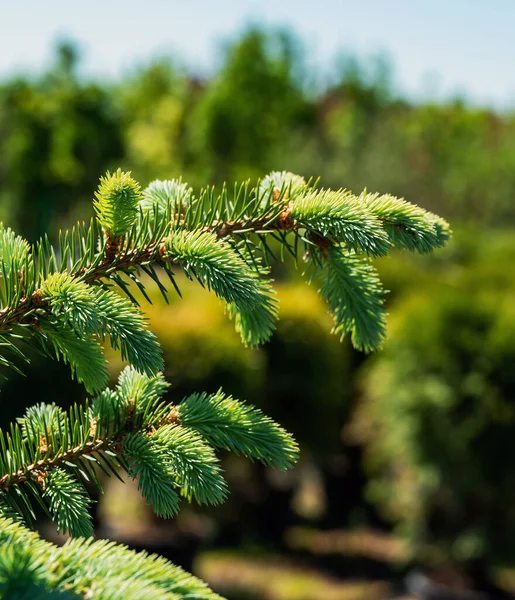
{"x": 73, "y": 301}
{"x": 127, "y": 328}
{"x": 15, "y": 267}
{"x": 69, "y": 503}
{"x": 143, "y": 391}
{"x": 217, "y": 266}
{"x": 288, "y": 185}
{"x": 95, "y": 563}
{"x": 93, "y": 310}
{"x": 408, "y": 226}
{"x": 83, "y": 354}
{"x": 351, "y": 286}
{"x": 33, "y": 569}
{"x": 193, "y": 463}
{"x": 341, "y": 217}
{"x": 23, "y": 574}
{"x": 168, "y": 196}
{"x": 233, "y": 425}
{"x": 13, "y": 251}
{"x": 151, "y": 467}
{"x": 48, "y": 419}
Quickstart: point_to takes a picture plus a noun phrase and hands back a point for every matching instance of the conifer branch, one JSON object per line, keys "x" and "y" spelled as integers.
{"x": 31, "y": 567}
{"x": 63, "y": 296}
{"x": 406, "y": 225}
{"x": 170, "y": 449}
{"x": 38, "y": 470}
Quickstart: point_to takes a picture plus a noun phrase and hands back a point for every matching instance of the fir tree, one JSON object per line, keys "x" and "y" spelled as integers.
{"x": 64, "y": 299}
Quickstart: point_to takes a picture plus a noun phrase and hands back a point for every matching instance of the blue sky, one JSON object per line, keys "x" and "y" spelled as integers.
{"x": 439, "y": 48}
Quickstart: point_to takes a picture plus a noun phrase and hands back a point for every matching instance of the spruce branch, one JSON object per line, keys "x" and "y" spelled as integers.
{"x": 64, "y": 297}
{"x": 170, "y": 449}
{"x": 368, "y": 223}
{"x": 351, "y": 286}
{"x": 233, "y": 425}
{"x": 35, "y": 569}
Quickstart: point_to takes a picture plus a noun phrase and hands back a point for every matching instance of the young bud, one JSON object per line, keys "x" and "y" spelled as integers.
{"x": 116, "y": 203}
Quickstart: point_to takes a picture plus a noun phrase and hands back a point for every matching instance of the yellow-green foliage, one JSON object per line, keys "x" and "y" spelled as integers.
{"x": 200, "y": 344}
{"x": 116, "y": 202}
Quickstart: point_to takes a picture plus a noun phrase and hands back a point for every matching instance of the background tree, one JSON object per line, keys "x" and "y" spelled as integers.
{"x": 438, "y": 419}
{"x": 56, "y": 134}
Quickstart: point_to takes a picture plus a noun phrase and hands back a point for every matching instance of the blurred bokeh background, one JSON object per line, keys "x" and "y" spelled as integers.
{"x": 407, "y": 455}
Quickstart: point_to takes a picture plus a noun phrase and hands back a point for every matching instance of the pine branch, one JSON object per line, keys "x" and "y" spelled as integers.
{"x": 351, "y": 286}
{"x": 169, "y": 449}
{"x": 233, "y": 425}
{"x": 33, "y": 568}
{"x": 335, "y": 216}
{"x": 63, "y": 297}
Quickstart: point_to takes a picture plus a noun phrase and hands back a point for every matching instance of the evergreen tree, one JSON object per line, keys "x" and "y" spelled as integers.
{"x": 57, "y": 133}
{"x": 64, "y": 299}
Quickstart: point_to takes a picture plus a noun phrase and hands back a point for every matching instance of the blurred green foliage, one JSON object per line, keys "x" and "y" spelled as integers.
{"x": 438, "y": 415}
{"x": 436, "y": 410}
{"x": 56, "y": 135}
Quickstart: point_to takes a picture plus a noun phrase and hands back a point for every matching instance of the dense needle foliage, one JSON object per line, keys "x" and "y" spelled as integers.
{"x": 65, "y": 299}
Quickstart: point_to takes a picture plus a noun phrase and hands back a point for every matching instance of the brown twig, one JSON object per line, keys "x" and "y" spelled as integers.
{"x": 38, "y": 469}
